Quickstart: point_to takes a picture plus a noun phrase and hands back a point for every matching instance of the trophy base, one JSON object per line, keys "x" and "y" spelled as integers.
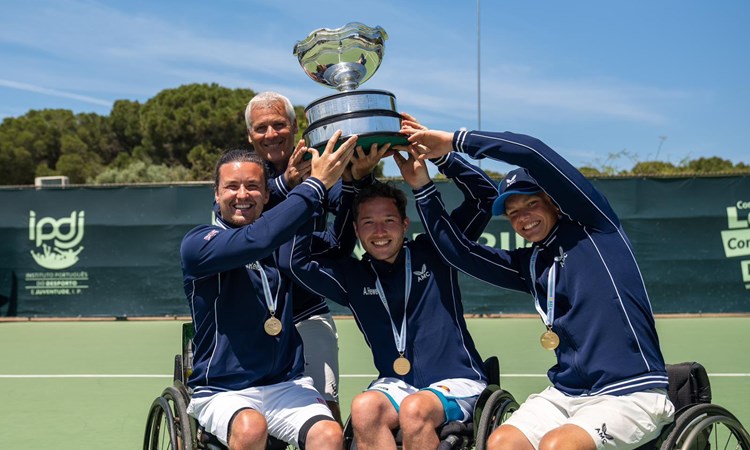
{"x": 350, "y": 102}
{"x": 365, "y": 140}
{"x": 370, "y": 114}
{"x": 363, "y": 123}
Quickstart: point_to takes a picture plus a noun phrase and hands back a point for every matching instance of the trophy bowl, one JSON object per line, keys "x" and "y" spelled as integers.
{"x": 343, "y": 59}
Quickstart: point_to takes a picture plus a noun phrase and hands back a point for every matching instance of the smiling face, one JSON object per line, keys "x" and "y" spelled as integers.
{"x": 380, "y": 228}
{"x": 531, "y": 216}
{"x": 272, "y": 133}
{"x": 241, "y": 192}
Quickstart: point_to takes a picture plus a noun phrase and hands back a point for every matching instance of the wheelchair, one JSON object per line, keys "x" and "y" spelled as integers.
{"x": 698, "y": 424}
{"x": 169, "y": 426}
{"x": 493, "y": 406}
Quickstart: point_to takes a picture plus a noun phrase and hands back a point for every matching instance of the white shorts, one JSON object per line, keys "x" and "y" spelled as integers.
{"x": 321, "y": 344}
{"x": 457, "y": 395}
{"x": 286, "y": 406}
{"x": 625, "y": 421}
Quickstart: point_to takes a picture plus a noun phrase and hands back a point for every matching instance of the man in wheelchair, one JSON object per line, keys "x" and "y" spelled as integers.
{"x": 248, "y": 361}
{"x": 407, "y": 303}
{"x": 609, "y": 383}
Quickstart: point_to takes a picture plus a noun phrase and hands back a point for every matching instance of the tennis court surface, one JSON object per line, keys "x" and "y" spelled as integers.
{"x": 88, "y": 384}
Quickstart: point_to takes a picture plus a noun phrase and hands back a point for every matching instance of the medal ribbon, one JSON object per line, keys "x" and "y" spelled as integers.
{"x": 398, "y": 337}
{"x": 549, "y": 316}
{"x": 271, "y": 301}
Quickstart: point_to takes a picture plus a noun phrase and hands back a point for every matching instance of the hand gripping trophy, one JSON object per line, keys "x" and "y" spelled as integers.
{"x": 344, "y": 58}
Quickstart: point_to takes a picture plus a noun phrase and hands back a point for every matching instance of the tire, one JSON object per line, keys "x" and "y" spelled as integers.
{"x": 161, "y": 433}
{"x": 168, "y": 426}
{"x": 500, "y": 405}
{"x": 706, "y": 426}
{"x": 183, "y": 422}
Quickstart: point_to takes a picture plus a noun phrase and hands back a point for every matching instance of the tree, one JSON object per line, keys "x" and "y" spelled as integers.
{"x": 708, "y": 165}
{"x": 16, "y": 164}
{"x": 141, "y": 172}
{"x": 31, "y": 144}
{"x": 125, "y": 126}
{"x": 654, "y": 167}
{"x": 202, "y": 160}
{"x": 590, "y": 172}
{"x": 177, "y": 120}
{"x": 77, "y": 161}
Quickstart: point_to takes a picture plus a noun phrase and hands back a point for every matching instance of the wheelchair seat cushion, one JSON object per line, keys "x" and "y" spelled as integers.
{"x": 688, "y": 384}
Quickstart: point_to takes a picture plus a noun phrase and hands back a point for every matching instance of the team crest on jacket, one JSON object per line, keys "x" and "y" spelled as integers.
{"x": 561, "y": 259}
{"x": 210, "y": 234}
{"x": 422, "y": 274}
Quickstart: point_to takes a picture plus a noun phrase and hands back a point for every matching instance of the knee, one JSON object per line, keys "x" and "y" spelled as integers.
{"x": 494, "y": 442}
{"x": 416, "y": 413}
{"x": 567, "y": 437}
{"x": 248, "y": 428}
{"x": 508, "y": 437}
{"x": 325, "y": 434}
{"x": 368, "y": 409}
{"x": 552, "y": 441}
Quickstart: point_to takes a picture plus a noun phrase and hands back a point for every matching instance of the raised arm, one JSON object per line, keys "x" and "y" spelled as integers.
{"x": 338, "y": 239}
{"x": 318, "y": 274}
{"x": 494, "y": 266}
{"x": 570, "y": 190}
{"x": 473, "y": 214}
{"x": 297, "y": 170}
{"x": 479, "y": 191}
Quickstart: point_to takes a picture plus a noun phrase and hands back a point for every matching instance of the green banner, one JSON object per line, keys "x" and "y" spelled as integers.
{"x": 98, "y": 251}
{"x": 114, "y": 251}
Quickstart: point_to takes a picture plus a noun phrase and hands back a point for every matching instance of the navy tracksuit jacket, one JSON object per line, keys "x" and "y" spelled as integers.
{"x": 608, "y": 341}
{"x": 438, "y": 344}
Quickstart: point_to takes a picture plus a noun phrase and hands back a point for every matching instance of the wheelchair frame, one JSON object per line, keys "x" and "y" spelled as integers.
{"x": 169, "y": 426}
{"x": 698, "y": 424}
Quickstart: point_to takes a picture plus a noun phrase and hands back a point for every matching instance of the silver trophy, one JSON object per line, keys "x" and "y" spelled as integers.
{"x": 342, "y": 59}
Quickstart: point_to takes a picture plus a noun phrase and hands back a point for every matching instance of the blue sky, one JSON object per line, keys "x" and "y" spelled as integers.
{"x": 655, "y": 79}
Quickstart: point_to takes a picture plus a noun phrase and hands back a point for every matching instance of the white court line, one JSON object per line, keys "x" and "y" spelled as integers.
{"x": 86, "y": 375}
{"x": 361, "y": 375}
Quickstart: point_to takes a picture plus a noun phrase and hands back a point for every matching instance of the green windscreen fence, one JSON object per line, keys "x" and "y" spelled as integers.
{"x": 114, "y": 251}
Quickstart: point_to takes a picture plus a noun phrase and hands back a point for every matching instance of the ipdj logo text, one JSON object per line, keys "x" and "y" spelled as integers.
{"x": 56, "y": 239}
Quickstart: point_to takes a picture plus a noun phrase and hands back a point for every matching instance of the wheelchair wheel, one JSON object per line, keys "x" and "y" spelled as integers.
{"x": 500, "y": 405}
{"x": 706, "y": 427}
{"x": 168, "y": 426}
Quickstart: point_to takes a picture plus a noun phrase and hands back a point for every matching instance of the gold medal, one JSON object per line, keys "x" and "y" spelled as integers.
{"x": 401, "y": 365}
{"x": 272, "y": 326}
{"x": 550, "y": 340}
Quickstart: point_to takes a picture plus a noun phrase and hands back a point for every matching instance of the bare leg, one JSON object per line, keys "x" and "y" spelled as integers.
{"x": 508, "y": 437}
{"x": 249, "y": 431}
{"x": 373, "y": 418}
{"x": 419, "y": 415}
{"x": 567, "y": 437}
{"x": 325, "y": 435}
